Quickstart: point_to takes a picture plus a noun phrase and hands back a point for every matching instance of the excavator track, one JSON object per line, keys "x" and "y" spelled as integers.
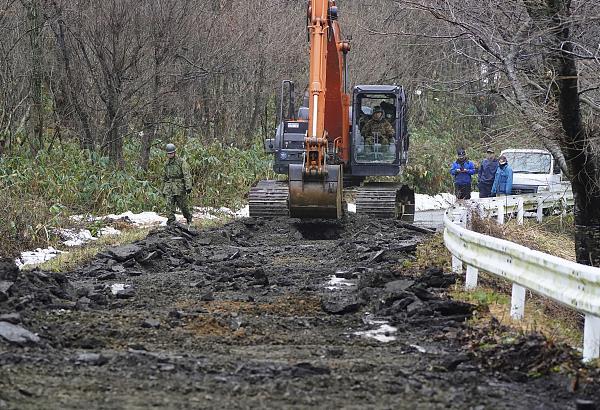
{"x": 269, "y": 198}
{"x": 386, "y": 200}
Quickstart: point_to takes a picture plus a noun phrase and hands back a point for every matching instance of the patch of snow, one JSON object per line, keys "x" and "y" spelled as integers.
{"x": 351, "y": 208}
{"x": 204, "y": 213}
{"x": 73, "y": 238}
{"x": 108, "y": 231}
{"x": 338, "y": 283}
{"x": 36, "y": 257}
{"x": 243, "y": 213}
{"x": 370, "y": 320}
{"x": 419, "y": 348}
{"x": 440, "y": 201}
{"x": 141, "y": 219}
{"x": 118, "y": 287}
{"x": 383, "y": 334}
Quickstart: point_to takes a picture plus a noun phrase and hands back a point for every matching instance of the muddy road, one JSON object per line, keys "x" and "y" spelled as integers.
{"x": 266, "y": 313}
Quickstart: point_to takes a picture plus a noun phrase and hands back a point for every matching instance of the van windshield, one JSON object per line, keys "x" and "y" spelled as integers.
{"x": 528, "y": 162}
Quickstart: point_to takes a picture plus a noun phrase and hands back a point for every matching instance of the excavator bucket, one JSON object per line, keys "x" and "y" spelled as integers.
{"x": 318, "y": 197}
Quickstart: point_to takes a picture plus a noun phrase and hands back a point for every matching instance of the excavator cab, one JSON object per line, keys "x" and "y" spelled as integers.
{"x": 379, "y": 142}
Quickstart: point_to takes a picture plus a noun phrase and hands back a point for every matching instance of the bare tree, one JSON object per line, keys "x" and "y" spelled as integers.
{"x": 537, "y": 47}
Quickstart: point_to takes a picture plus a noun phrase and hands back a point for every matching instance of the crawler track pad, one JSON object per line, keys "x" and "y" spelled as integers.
{"x": 269, "y": 199}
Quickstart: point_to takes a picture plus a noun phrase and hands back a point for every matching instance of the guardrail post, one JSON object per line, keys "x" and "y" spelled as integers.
{"x": 517, "y": 303}
{"x": 520, "y": 211}
{"x": 471, "y": 278}
{"x": 457, "y": 266}
{"x": 500, "y": 214}
{"x": 591, "y": 338}
{"x": 540, "y": 210}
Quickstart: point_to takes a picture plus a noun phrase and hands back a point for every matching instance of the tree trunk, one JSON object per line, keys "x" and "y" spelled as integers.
{"x": 583, "y": 163}
{"x": 114, "y": 139}
{"x": 257, "y": 103}
{"x": 86, "y": 140}
{"x": 152, "y": 123}
{"x": 34, "y": 15}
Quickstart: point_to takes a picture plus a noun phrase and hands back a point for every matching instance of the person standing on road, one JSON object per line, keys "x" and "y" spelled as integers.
{"x": 177, "y": 185}
{"x": 462, "y": 169}
{"x": 503, "y": 179}
{"x": 487, "y": 174}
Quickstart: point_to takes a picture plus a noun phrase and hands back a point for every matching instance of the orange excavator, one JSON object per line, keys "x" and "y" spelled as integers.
{"x": 335, "y": 139}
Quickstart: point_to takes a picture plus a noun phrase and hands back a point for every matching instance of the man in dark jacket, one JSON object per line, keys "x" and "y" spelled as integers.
{"x": 487, "y": 173}
{"x": 462, "y": 169}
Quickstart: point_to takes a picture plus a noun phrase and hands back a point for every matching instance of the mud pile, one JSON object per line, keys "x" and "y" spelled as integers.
{"x": 35, "y": 289}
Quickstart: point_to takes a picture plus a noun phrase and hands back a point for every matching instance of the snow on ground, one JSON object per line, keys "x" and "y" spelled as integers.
{"x": 37, "y": 256}
{"x": 75, "y": 238}
{"x": 427, "y": 202}
{"x": 109, "y": 231}
{"x": 117, "y": 287}
{"x": 140, "y": 219}
{"x": 72, "y": 238}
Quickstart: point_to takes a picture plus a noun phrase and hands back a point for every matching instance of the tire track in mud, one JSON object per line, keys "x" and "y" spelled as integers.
{"x": 262, "y": 313}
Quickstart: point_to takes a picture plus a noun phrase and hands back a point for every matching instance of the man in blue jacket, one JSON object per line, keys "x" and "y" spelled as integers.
{"x": 504, "y": 178}
{"x": 487, "y": 173}
{"x": 462, "y": 170}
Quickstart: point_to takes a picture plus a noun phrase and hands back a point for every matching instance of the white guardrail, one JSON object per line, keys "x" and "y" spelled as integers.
{"x": 571, "y": 284}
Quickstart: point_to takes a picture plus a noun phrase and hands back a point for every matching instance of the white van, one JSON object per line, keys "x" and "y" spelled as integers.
{"x": 534, "y": 170}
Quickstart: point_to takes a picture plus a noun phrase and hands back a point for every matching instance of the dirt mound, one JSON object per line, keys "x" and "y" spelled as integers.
{"x": 32, "y": 289}
{"x": 518, "y": 356}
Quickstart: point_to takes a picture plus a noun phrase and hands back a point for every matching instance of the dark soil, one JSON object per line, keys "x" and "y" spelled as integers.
{"x": 246, "y": 316}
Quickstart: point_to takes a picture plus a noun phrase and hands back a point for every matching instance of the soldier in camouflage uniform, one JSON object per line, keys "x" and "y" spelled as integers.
{"x": 378, "y": 127}
{"x": 177, "y": 185}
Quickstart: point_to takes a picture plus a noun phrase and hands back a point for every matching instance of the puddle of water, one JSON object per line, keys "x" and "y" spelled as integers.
{"x": 384, "y": 333}
{"x": 338, "y": 283}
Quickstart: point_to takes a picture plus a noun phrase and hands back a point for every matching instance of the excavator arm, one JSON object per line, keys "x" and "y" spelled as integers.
{"x": 329, "y": 102}
{"x": 315, "y": 186}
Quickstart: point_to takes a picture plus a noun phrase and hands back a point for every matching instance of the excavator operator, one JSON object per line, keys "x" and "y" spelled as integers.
{"x": 378, "y": 130}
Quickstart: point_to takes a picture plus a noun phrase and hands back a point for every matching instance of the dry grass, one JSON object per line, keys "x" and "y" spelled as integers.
{"x": 78, "y": 256}
{"x": 546, "y": 237}
{"x": 75, "y": 257}
{"x": 492, "y": 297}
{"x": 283, "y": 306}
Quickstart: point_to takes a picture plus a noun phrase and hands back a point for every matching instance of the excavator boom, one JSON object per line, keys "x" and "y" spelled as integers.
{"x": 316, "y": 184}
